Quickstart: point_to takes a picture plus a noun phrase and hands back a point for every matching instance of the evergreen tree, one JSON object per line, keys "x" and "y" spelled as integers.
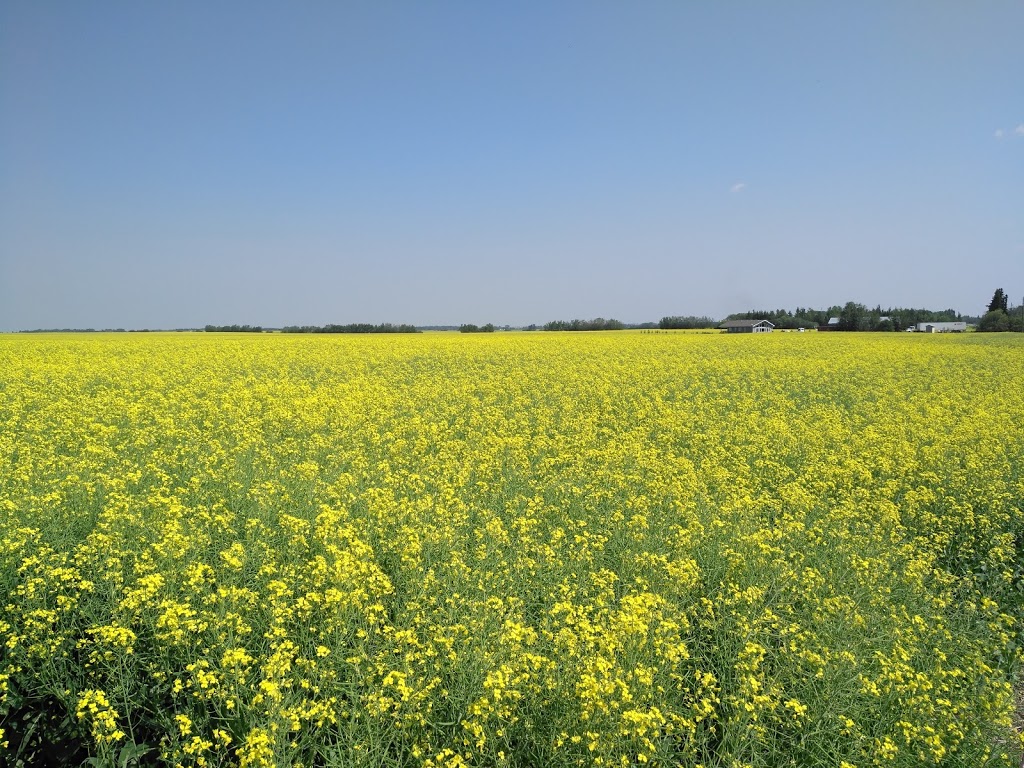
{"x": 999, "y": 300}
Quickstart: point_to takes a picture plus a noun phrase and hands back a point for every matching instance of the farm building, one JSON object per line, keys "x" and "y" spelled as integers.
{"x": 957, "y": 327}
{"x": 747, "y": 326}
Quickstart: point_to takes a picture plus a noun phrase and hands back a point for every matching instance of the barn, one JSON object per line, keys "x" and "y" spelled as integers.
{"x": 747, "y": 326}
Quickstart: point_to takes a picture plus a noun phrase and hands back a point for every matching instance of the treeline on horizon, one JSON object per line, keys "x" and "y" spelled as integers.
{"x": 853, "y": 317}
{"x": 352, "y": 328}
{"x": 102, "y": 330}
{"x": 597, "y": 324}
{"x": 330, "y": 328}
{"x": 233, "y": 329}
{"x": 687, "y": 323}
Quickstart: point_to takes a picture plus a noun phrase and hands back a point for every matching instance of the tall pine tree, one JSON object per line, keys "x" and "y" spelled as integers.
{"x": 998, "y": 301}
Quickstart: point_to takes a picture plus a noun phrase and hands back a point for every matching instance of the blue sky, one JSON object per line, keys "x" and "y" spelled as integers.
{"x": 175, "y": 164}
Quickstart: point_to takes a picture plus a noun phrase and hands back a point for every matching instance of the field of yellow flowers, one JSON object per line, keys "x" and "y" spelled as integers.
{"x": 511, "y": 550}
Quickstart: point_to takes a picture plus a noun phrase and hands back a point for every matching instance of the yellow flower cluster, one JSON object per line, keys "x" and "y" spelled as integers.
{"x": 514, "y": 549}
{"x": 94, "y": 708}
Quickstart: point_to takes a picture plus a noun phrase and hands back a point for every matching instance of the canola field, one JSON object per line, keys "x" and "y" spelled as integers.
{"x": 511, "y": 550}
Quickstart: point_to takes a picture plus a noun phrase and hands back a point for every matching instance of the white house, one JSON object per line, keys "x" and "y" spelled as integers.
{"x": 747, "y": 326}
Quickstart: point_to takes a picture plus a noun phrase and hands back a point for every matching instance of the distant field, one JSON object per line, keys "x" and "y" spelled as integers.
{"x": 513, "y": 549}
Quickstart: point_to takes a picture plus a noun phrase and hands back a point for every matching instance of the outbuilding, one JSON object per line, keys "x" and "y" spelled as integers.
{"x": 747, "y": 326}
{"x": 957, "y": 327}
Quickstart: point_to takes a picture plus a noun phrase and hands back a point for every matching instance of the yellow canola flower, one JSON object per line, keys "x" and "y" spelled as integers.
{"x": 94, "y": 708}
{"x": 584, "y": 549}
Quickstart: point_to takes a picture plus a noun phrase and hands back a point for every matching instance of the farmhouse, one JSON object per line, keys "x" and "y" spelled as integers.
{"x": 747, "y": 326}
{"x": 958, "y": 327}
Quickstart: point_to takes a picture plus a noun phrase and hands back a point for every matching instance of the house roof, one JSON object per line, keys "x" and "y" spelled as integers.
{"x": 745, "y": 323}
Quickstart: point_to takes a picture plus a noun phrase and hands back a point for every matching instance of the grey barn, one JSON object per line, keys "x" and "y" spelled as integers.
{"x": 747, "y": 326}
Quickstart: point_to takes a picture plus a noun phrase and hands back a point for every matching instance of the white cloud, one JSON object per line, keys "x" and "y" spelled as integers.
{"x": 738, "y": 186}
{"x": 1019, "y": 130}
{"x": 999, "y": 133}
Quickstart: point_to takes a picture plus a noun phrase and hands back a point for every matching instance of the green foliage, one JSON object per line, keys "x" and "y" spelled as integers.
{"x": 351, "y": 328}
{"x": 852, "y": 317}
{"x": 597, "y": 324}
{"x": 470, "y": 328}
{"x": 233, "y": 329}
{"x": 781, "y": 318}
{"x": 994, "y": 321}
{"x": 1001, "y": 316}
{"x": 903, "y": 318}
{"x": 686, "y": 322}
{"x": 62, "y": 330}
{"x": 999, "y": 301}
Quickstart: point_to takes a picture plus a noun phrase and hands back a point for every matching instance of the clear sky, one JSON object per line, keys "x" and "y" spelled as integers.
{"x": 176, "y": 164}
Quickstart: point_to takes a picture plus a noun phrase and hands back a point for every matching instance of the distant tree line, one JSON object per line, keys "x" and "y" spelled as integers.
{"x": 351, "y": 328}
{"x": 470, "y": 328}
{"x": 93, "y": 330}
{"x": 853, "y": 317}
{"x": 784, "y": 318}
{"x": 687, "y": 322}
{"x": 597, "y": 324}
{"x": 1001, "y": 316}
{"x": 233, "y": 329}
{"x": 61, "y": 330}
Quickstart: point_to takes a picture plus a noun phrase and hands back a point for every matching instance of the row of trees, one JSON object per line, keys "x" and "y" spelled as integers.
{"x": 107, "y": 330}
{"x": 853, "y": 317}
{"x": 686, "y": 322}
{"x": 597, "y": 324}
{"x": 351, "y": 328}
{"x": 234, "y": 329}
{"x": 470, "y": 328}
{"x": 73, "y": 330}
